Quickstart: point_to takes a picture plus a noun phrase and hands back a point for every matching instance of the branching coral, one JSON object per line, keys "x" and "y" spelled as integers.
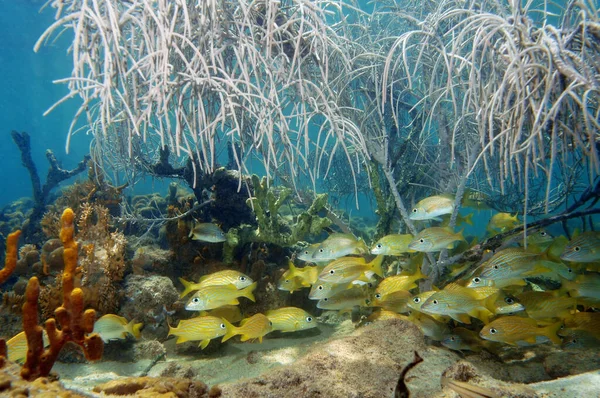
{"x": 74, "y": 322}
{"x": 271, "y": 227}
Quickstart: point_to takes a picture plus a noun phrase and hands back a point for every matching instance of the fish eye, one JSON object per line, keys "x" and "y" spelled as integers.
{"x": 379, "y": 245}
{"x": 320, "y": 287}
{"x": 331, "y": 272}
{"x": 287, "y": 281}
{"x": 320, "y": 250}
{"x": 476, "y": 279}
{"x": 543, "y": 233}
{"x": 378, "y": 296}
{"x": 325, "y": 299}
{"x": 493, "y": 331}
{"x": 452, "y": 338}
{"x": 496, "y": 267}
{"x": 509, "y": 300}
{"x": 576, "y": 248}
{"x": 195, "y": 300}
{"x": 305, "y": 251}
{"x": 309, "y": 319}
{"x": 242, "y": 278}
{"x": 569, "y": 270}
{"x": 222, "y": 326}
{"x": 417, "y": 300}
{"x": 434, "y": 301}
{"x": 270, "y": 323}
{"x": 422, "y": 240}
{"x": 414, "y": 210}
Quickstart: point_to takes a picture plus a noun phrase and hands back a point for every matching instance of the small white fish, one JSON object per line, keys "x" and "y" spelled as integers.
{"x": 207, "y": 232}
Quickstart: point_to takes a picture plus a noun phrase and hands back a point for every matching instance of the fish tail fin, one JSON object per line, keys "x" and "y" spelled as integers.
{"x": 550, "y": 332}
{"x": 247, "y": 292}
{"x": 292, "y": 268}
{"x": 188, "y": 287}
{"x": 231, "y": 330}
{"x": 468, "y": 219}
{"x": 134, "y": 328}
{"x": 418, "y": 274}
{"x": 172, "y": 329}
{"x": 459, "y": 235}
{"x": 376, "y": 265}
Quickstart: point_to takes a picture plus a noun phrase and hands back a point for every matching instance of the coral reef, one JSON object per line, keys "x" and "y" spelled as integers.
{"x": 31, "y": 228}
{"x": 147, "y": 300}
{"x": 74, "y": 322}
{"x": 266, "y": 203}
{"x": 12, "y": 385}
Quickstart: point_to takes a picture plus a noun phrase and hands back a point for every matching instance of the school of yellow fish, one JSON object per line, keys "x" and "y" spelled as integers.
{"x": 497, "y": 302}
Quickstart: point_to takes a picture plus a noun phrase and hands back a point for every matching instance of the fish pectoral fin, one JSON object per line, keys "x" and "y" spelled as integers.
{"x": 180, "y": 340}
{"x": 462, "y": 318}
{"x": 233, "y": 302}
{"x": 204, "y": 343}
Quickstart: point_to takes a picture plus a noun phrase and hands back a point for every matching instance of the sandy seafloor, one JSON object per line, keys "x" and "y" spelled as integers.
{"x": 342, "y": 361}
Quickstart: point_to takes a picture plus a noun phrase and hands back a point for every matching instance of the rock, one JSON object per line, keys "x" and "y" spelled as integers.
{"x": 147, "y": 299}
{"x": 154, "y": 387}
{"x": 148, "y": 350}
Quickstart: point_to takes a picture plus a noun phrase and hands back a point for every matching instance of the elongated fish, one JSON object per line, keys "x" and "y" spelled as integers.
{"x": 460, "y": 303}
{"x": 516, "y": 330}
{"x": 219, "y": 278}
{"x": 393, "y": 245}
{"x": 583, "y": 249}
{"x": 432, "y": 207}
{"x": 210, "y": 297}
{"x": 254, "y": 327}
{"x": 339, "y": 245}
{"x": 207, "y": 232}
{"x": 296, "y": 278}
{"x": 291, "y": 319}
{"x": 348, "y": 269}
{"x": 435, "y": 239}
{"x": 203, "y": 328}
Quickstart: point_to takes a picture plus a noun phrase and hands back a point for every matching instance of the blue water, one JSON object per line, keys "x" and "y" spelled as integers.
{"x": 27, "y": 92}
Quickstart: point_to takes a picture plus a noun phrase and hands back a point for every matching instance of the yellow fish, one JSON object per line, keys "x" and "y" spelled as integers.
{"x": 203, "y": 328}
{"x": 393, "y": 245}
{"x": 435, "y": 239}
{"x": 460, "y": 303}
{"x": 219, "y": 278}
{"x": 254, "y": 327}
{"x": 291, "y": 319}
{"x": 430, "y": 327}
{"x": 210, "y": 297}
{"x": 322, "y": 290}
{"x": 114, "y": 327}
{"x": 207, "y": 232}
{"x": 346, "y": 300}
{"x": 460, "y": 219}
{"x": 398, "y": 282}
{"x": 582, "y": 329}
{"x": 504, "y": 304}
{"x": 475, "y": 199}
{"x": 348, "y": 269}
{"x": 584, "y": 286}
{"x": 585, "y": 248}
{"x": 515, "y": 330}
{"x": 417, "y": 301}
{"x": 509, "y": 267}
{"x": 395, "y": 301}
{"x": 230, "y": 312}
{"x": 296, "y": 278}
{"x": 432, "y": 207}
{"x": 339, "y": 245}
{"x": 461, "y": 339}
{"x": 307, "y": 253}
{"x": 503, "y": 222}
{"x": 546, "y": 305}
{"x": 17, "y": 346}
